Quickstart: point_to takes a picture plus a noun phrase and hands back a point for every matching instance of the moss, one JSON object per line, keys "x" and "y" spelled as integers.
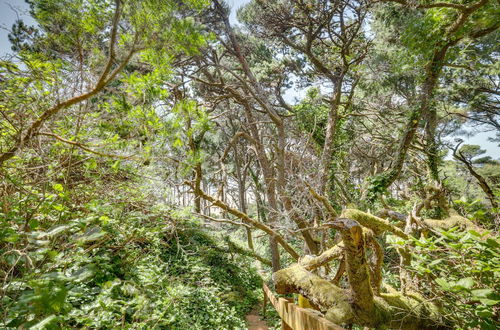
{"x": 310, "y": 263}
{"x": 338, "y": 315}
{"x": 378, "y": 225}
{"x": 410, "y": 313}
{"x": 454, "y": 220}
{"x": 320, "y": 292}
{"x": 393, "y": 309}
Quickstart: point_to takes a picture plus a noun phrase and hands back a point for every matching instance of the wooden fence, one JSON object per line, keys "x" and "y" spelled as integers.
{"x": 295, "y": 317}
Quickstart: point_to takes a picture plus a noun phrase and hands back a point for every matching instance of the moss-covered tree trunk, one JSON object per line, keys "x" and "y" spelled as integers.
{"x": 367, "y": 301}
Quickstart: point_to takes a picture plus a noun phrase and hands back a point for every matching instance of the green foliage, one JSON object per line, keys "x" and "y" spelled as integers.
{"x": 421, "y": 31}
{"x": 476, "y": 210}
{"x": 312, "y": 114}
{"x": 463, "y": 271}
{"x": 86, "y": 237}
{"x": 377, "y": 186}
{"x": 467, "y": 197}
{"x": 469, "y": 152}
{"x": 111, "y": 266}
{"x": 188, "y": 125}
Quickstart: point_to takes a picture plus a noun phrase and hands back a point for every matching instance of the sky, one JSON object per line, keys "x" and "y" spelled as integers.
{"x": 11, "y": 10}
{"x": 235, "y": 5}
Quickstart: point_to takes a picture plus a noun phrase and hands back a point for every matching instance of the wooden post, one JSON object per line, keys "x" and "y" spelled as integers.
{"x": 264, "y": 302}
{"x": 284, "y": 307}
{"x": 294, "y": 317}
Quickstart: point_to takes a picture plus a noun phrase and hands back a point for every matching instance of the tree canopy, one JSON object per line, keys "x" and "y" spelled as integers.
{"x": 155, "y": 154}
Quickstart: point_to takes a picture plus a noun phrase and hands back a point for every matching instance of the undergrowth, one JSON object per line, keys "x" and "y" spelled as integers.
{"x": 110, "y": 267}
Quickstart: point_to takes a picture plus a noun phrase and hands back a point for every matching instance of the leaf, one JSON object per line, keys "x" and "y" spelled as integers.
{"x": 58, "y": 207}
{"x": 435, "y": 262}
{"x": 492, "y": 243}
{"x": 482, "y": 293}
{"x": 449, "y": 235}
{"x": 104, "y": 219}
{"x": 475, "y": 233}
{"x": 56, "y": 276}
{"x": 39, "y": 242}
{"x": 393, "y": 239}
{"x": 84, "y": 273}
{"x": 57, "y": 230}
{"x": 116, "y": 165}
{"x": 443, "y": 283}
{"x": 489, "y": 302}
{"x": 12, "y": 238}
{"x": 58, "y": 187}
{"x": 466, "y": 283}
{"x": 43, "y": 324}
{"x": 485, "y": 313}
{"x": 91, "y": 235}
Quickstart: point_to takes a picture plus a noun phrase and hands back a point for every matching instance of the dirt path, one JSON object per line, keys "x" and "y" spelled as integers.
{"x": 254, "y": 321}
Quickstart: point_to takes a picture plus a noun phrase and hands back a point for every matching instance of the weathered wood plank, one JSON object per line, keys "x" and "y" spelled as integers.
{"x": 271, "y": 296}
{"x": 287, "y": 318}
{"x": 264, "y": 303}
{"x": 297, "y": 318}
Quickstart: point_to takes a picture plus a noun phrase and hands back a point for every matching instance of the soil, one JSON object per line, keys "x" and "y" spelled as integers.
{"x": 255, "y": 322}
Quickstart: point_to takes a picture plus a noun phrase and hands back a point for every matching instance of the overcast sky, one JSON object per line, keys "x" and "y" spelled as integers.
{"x": 11, "y": 10}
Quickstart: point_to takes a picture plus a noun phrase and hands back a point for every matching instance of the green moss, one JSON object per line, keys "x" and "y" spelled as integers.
{"x": 378, "y": 225}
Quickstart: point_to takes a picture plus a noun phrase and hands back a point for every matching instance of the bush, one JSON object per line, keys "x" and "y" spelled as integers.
{"x": 114, "y": 267}
{"x": 463, "y": 271}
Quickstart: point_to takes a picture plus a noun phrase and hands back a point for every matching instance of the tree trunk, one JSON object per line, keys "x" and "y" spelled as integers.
{"x": 197, "y": 182}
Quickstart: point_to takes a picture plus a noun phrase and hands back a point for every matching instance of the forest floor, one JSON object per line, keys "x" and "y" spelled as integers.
{"x": 255, "y": 322}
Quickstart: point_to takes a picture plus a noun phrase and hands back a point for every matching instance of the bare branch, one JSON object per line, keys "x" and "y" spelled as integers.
{"x": 223, "y": 220}
{"x": 85, "y": 147}
{"x": 245, "y": 218}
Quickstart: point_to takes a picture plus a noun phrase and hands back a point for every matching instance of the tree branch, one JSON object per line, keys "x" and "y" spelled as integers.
{"x": 378, "y": 225}
{"x": 223, "y": 220}
{"x": 104, "y": 79}
{"x": 245, "y": 218}
{"x": 83, "y": 146}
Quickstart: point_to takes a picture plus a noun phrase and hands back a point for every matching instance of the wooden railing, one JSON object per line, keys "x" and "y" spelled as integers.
{"x": 294, "y": 317}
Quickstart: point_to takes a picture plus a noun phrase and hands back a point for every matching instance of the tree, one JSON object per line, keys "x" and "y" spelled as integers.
{"x": 123, "y": 29}
{"x": 465, "y": 154}
{"x": 444, "y": 34}
{"x": 127, "y": 124}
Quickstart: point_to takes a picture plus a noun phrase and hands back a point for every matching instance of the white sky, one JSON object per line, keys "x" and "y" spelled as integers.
{"x": 235, "y": 5}
{"x": 10, "y": 10}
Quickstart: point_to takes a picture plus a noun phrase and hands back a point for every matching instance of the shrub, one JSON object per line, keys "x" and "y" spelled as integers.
{"x": 463, "y": 271}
